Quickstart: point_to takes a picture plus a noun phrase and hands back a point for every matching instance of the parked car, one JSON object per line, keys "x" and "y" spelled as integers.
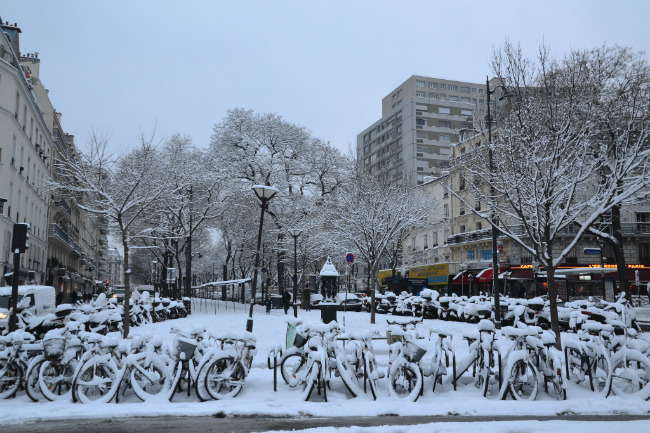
{"x": 315, "y": 299}
{"x": 41, "y": 302}
{"x": 351, "y": 303}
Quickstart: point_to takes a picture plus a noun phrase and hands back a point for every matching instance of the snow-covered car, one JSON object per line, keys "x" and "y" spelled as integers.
{"x": 351, "y": 303}
{"x": 315, "y": 299}
{"x": 41, "y": 301}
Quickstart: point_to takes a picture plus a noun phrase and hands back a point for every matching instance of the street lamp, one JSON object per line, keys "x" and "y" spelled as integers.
{"x": 470, "y": 277}
{"x": 295, "y": 233}
{"x": 495, "y": 230}
{"x": 155, "y": 283}
{"x": 264, "y": 193}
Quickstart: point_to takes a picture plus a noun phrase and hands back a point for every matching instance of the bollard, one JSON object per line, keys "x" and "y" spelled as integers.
{"x": 276, "y": 353}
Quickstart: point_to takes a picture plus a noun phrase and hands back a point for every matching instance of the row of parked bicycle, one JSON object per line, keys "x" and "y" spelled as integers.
{"x": 102, "y": 315}
{"x": 535, "y": 311}
{"x": 515, "y": 361}
{"x": 72, "y": 364}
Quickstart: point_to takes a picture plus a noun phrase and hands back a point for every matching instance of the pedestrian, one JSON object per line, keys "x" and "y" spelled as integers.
{"x": 73, "y": 297}
{"x": 268, "y": 303}
{"x": 286, "y": 298}
{"x": 307, "y": 294}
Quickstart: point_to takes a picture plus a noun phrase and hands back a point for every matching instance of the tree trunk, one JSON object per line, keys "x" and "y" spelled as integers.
{"x": 127, "y": 288}
{"x": 372, "y": 270}
{"x": 552, "y": 297}
{"x": 619, "y": 254}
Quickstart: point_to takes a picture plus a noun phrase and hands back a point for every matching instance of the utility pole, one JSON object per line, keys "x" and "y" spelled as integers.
{"x": 18, "y": 245}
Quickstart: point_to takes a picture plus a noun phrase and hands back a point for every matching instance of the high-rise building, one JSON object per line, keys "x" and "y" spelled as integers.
{"x": 420, "y": 120}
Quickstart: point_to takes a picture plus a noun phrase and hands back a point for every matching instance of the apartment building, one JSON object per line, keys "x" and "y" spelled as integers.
{"x": 421, "y": 119}
{"x": 68, "y": 245}
{"x": 470, "y": 241}
{"x": 25, "y": 163}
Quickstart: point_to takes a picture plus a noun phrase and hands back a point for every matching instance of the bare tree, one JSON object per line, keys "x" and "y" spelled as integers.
{"x": 548, "y": 158}
{"x": 370, "y": 214}
{"x": 122, "y": 189}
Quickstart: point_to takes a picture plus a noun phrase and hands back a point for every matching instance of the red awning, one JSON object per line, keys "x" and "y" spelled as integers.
{"x": 462, "y": 278}
{"x": 485, "y": 276}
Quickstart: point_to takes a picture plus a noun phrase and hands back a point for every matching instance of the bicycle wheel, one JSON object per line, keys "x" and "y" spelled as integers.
{"x": 55, "y": 379}
{"x": 32, "y": 385}
{"x": 95, "y": 382}
{"x": 576, "y": 368}
{"x": 523, "y": 380}
{"x": 600, "y": 373}
{"x": 292, "y": 369}
{"x": 631, "y": 375}
{"x": 149, "y": 381}
{"x": 312, "y": 379}
{"x": 348, "y": 376}
{"x": 12, "y": 377}
{"x": 406, "y": 381}
{"x": 225, "y": 378}
{"x": 372, "y": 374}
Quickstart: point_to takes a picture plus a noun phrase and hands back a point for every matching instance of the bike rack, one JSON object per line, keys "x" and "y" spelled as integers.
{"x": 276, "y": 354}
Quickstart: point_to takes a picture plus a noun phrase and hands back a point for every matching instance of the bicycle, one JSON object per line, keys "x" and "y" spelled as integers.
{"x": 521, "y": 373}
{"x": 630, "y": 367}
{"x": 363, "y": 361}
{"x": 16, "y": 348}
{"x": 61, "y": 351}
{"x": 224, "y": 373}
{"x": 404, "y": 374}
{"x": 442, "y": 355}
{"x": 587, "y": 358}
{"x": 548, "y": 361}
{"x": 483, "y": 357}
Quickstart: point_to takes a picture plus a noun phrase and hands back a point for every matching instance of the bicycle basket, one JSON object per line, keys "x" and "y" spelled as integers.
{"x": 414, "y": 352}
{"x": 299, "y": 340}
{"x": 186, "y": 348}
{"x": 53, "y": 348}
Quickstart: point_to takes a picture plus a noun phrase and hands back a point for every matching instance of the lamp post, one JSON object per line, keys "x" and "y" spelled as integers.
{"x": 264, "y": 193}
{"x": 295, "y": 233}
{"x": 470, "y": 277}
{"x": 495, "y": 230}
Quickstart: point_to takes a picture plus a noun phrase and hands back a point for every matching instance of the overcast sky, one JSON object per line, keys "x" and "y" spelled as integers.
{"x": 125, "y": 66}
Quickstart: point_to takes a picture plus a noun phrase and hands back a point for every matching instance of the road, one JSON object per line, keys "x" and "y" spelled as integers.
{"x": 221, "y": 424}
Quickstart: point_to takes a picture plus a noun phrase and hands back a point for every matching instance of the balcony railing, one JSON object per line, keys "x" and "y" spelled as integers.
{"x": 57, "y": 231}
{"x": 627, "y": 229}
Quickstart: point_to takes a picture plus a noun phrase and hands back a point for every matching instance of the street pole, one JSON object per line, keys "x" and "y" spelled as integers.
{"x": 188, "y": 259}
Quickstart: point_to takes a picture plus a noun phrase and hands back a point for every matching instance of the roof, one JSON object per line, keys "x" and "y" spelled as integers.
{"x": 329, "y": 270}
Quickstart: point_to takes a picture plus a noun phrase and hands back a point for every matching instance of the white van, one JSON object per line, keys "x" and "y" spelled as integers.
{"x": 42, "y": 300}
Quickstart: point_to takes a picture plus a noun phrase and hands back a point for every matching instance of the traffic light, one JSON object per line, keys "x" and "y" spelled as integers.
{"x": 19, "y": 240}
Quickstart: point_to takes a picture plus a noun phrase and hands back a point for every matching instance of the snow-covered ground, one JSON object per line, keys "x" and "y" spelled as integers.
{"x": 258, "y": 397}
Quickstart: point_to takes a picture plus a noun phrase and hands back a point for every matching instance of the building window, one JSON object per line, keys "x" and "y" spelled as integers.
{"x": 422, "y": 135}
{"x": 446, "y": 211}
{"x": 419, "y": 83}
{"x": 443, "y": 86}
{"x": 453, "y": 88}
{"x": 461, "y": 185}
{"x": 462, "y": 228}
{"x": 413, "y": 243}
{"x": 433, "y": 95}
{"x": 479, "y": 226}
{"x": 426, "y": 242}
{"x": 464, "y": 89}
{"x": 421, "y": 122}
{"x": 466, "y": 100}
{"x": 480, "y": 91}
{"x": 444, "y": 123}
{"x": 444, "y": 110}
{"x": 470, "y": 255}
{"x": 453, "y": 98}
{"x": 433, "y": 85}
{"x": 435, "y": 239}
{"x": 444, "y": 137}
{"x": 421, "y": 94}
{"x": 473, "y": 89}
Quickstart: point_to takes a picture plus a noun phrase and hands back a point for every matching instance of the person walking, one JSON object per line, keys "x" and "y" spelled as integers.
{"x": 268, "y": 303}
{"x": 307, "y": 294}
{"x": 286, "y": 298}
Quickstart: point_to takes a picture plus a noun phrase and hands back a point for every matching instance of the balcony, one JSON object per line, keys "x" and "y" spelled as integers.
{"x": 58, "y": 232}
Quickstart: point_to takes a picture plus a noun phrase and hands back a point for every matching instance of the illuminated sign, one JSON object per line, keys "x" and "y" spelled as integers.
{"x": 435, "y": 274}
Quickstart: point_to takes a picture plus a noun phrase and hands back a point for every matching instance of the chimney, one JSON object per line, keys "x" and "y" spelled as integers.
{"x": 13, "y": 32}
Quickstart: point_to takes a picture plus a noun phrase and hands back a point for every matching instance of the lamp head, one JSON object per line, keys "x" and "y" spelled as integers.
{"x": 295, "y": 232}
{"x": 264, "y": 192}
